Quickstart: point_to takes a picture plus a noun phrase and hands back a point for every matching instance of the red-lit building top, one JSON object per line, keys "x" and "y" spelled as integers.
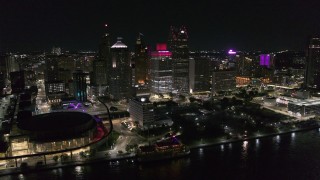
{"x": 161, "y": 51}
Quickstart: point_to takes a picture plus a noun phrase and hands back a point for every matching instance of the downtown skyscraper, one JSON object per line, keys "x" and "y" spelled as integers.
{"x": 178, "y": 45}
{"x": 313, "y": 64}
{"x": 161, "y": 70}
{"x": 140, "y": 61}
{"x": 102, "y": 66}
{"x": 120, "y": 74}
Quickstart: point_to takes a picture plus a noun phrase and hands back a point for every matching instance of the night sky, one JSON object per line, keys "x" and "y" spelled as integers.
{"x": 31, "y": 25}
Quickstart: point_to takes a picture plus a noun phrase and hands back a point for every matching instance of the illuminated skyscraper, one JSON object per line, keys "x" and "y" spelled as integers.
{"x": 102, "y": 66}
{"x": 178, "y": 45}
{"x": 80, "y": 85}
{"x": 161, "y": 70}
{"x": 313, "y": 64}
{"x": 120, "y": 77}
{"x": 140, "y": 62}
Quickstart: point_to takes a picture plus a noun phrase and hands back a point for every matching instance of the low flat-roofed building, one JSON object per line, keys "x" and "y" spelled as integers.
{"x": 305, "y": 107}
{"x": 141, "y": 110}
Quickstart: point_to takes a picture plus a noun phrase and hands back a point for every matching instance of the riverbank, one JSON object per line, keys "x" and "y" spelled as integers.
{"x": 132, "y": 156}
{"x": 251, "y": 137}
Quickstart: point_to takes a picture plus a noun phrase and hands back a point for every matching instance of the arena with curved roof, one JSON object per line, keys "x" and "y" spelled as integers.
{"x": 57, "y": 125}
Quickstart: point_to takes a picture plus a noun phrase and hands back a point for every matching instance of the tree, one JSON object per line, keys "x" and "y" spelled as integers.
{"x": 192, "y": 99}
{"x": 224, "y": 102}
{"x": 55, "y": 158}
{"x": 182, "y": 97}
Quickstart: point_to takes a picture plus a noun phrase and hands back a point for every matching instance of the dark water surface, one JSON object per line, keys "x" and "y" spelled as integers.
{"x": 290, "y": 156}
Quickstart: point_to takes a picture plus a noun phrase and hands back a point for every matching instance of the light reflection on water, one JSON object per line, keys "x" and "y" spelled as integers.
{"x": 257, "y": 142}
{"x": 222, "y": 147}
{"x": 200, "y": 152}
{"x": 287, "y": 156}
{"x": 277, "y": 139}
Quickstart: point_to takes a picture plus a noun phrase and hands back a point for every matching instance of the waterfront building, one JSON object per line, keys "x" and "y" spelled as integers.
{"x": 142, "y": 111}
{"x": 304, "y": 107}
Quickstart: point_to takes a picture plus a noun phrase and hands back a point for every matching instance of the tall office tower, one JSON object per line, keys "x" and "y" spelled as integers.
{"x": 140, "y": 62}
{"x": 313, "y": 64}
{"x": 100, "y": 73}
{"x": 12, "y": 64}
{"x": 54, "y": 87}
{"x": 104, "y": 53}
{"x": 80, "y": 85}
{"x": 120, "y": 77}
{"x": 52, "y": 68}
{"x": 161, "y": 70}
{"x": 178, "y": 45}
{"x": 200, "y": 74}
{"x": 102, "y": 66}
{"x": 17, "y": 79}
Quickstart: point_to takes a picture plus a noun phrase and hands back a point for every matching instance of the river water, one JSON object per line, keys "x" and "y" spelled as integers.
{"x": 289, "y": 156}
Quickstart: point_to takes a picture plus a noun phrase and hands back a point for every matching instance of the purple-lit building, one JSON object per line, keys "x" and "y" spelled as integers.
{"x": 265, "y": 60}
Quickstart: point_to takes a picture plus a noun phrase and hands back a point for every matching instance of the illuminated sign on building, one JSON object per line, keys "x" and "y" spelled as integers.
{"x": 265, "y": 60}
{"x": 231, "y": 52}
{"x": 161, "y": 51}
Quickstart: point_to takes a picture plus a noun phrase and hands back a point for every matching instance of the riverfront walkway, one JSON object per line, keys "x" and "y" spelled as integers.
{"x": 103, "y": 156}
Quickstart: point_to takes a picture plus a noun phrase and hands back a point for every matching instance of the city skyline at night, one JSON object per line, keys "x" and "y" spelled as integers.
{"x": 159, "y": 89}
